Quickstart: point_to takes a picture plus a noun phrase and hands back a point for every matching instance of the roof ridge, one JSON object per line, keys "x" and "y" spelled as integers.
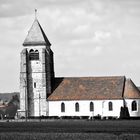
{"x": 93, "y": 77}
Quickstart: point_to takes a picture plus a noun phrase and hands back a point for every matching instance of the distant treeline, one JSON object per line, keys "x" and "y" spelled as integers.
{"x": 9, "y": 107}
{"x": 6, "y": 97}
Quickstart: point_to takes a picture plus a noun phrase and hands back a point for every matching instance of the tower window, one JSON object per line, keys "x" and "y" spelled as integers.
{"x": 134, "y": 106}
{"x": 33, "y": 55}
{"x": 34, "y": 84}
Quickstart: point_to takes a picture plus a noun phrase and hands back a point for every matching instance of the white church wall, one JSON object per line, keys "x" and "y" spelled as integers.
{"x": 116, "y": 108}
{"x": 129, "y": 105}
{"x": 100, "y": 108}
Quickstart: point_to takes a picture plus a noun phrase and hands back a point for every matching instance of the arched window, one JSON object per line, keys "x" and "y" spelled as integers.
{"x": 62, "y": 107}
{"x": 91, "y": 106}
{"x": 33, "y": 55}
{"x": 36, "y": 51}
{"x": 110, "y": 106}
{"x": 77, "y": 107}
{"x": 31, "y": 51}
{"x": 134, "y": 106}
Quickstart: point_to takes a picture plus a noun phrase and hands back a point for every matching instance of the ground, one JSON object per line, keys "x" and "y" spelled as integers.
{"x": 71, "y": 129}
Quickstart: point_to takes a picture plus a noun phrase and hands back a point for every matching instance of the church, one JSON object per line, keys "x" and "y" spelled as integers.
{"x": 43, "y": 94}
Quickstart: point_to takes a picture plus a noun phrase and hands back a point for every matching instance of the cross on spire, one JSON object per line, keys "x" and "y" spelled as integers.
{"x": 36, "y": 35}
{"x": 35, "y": 13}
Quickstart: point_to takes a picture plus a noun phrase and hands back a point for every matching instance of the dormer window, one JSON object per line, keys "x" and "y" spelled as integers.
{"x": 33, "y": 55}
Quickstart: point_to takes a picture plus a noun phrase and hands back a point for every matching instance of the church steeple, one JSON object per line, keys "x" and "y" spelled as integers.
{"x": 36, "y": 72}
{"x": 36, "y": 35}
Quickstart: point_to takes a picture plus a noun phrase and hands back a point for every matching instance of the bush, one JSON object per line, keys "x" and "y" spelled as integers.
{"x": 70, "y": 117}
{"x": 98, "y": 117}
{"x": 84, "y": 117}
{"x": 53, "y": 117}
{"x": 111, "y": 118}
{"x": 75, "y": 117}
{"x": 66, "y": 117}
{"x": 22, "y": 117}
{"x": 44, "y": 117}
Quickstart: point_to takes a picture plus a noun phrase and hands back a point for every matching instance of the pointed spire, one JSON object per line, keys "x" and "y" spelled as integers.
{"x": 36, "y": 35}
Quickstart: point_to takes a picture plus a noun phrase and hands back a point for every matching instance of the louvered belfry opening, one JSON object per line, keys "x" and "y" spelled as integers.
{"x": 33, "y": 55}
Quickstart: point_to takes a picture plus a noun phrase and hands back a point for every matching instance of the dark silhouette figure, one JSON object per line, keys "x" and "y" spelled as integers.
{"x": 124, "y": 113}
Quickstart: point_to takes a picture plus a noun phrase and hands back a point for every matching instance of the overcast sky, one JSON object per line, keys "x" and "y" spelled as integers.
{"x": 88, "y": 37}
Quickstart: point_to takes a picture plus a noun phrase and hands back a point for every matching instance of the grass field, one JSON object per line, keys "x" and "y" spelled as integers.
{"x": 72, "y": 129}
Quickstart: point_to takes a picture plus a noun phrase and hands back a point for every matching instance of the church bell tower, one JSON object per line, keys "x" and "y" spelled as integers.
{"x": 36, "y": 72}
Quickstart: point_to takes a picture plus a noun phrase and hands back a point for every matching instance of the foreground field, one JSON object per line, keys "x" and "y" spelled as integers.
{"x": 67, "y": 136}
{"x": 79, "y": 130}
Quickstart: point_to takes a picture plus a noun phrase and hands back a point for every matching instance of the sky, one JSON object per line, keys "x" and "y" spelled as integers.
{"x": 88, "y": 37}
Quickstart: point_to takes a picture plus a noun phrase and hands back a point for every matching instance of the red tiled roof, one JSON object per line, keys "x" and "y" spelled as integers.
{"x": 88, "y": 88}
{"x": 131, "y": 91}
